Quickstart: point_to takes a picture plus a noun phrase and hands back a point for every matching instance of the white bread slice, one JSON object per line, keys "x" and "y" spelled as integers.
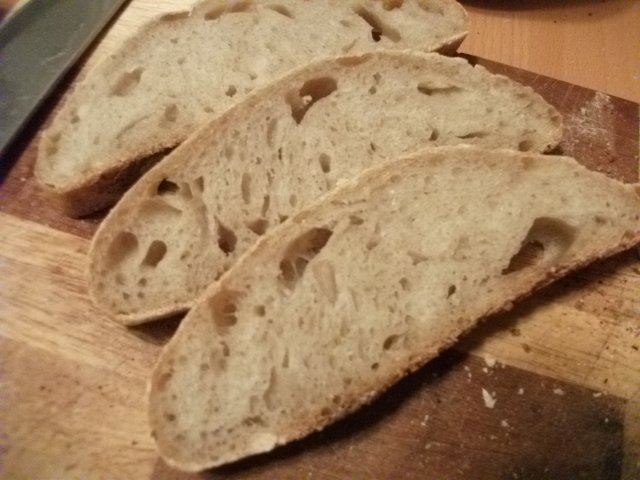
{"x": 182, "y": 68}
{"x": 190, "y": 217}
{"x": 369, "y": 283}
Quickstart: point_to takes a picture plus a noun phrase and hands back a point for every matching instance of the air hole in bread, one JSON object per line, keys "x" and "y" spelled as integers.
{"x": 75, "y": 118}
{"x": 270, "y": 394}
{"x": 325, "y": 276}
{"x": 353, "y": 61}
{"x": 240, "y": 6}
{"x": 266, "y": 202}
{"x": 375, "y": 366}
{"x": 225, "y": 349}
{"x": 293, "y": 200}
{"x": 155, "y": 253}
{"x": 431, "y": 88}
{"x": 525, "y": 145}
{"x": 300, "y": 252}
{"x": 245, "y": 188}
{"x": 283, "y": 218}
{"x": 272, "y": 130}
{"x": 173, "y": 16}
{"x": 405, "y": 284}
{"x": 231, "y": 91}
{"x": 223, "y": 308}
{"x": 127, "y": 82}
{"x": 167, "y": 187}
{"x": 600, "y": 220}
{"x": 470, "y": 135}
{"x": 285, "y": 359}
{"x": 546, "y": 242}
{"x": 215, "y": 13}
{"x": 124, "y": 244}
{"x": 311, "y": 92}
{"x": 372, "y": 243}
{"x": 452, "y": 290}
{"x": 379, "y": 28}
{"x": 355, "y": 220}
{"x": 390, "y": 341}
{"x": 171, "y": 113}
{"x": 325, "y": 162}
{"x": 373, "y": 90}
{"x": 260, "y": 310}
{"x": 51, "y": 145}
{"x": 254, "y": 421}
{"x": 226, "y": 238}
{"x": 281, "y": 9}
{"x": 416, "y": 257}
{"x": 259, "y": 226}
{"x": 431, "y": 6}
{"x": 199, "y": 184}
{"x": 346, "y": 23}
{"x": 142, "y": 282}
{"x": 435, "y": 134}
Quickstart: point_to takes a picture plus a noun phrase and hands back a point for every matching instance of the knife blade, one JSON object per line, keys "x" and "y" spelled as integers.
{"x": 38, "y": 44}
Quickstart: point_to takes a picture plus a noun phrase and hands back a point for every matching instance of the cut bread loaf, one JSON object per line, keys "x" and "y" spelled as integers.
{"x": 187, "y": 221}
{"x": 369, "y": 283}
{"x": 182, "y": 68}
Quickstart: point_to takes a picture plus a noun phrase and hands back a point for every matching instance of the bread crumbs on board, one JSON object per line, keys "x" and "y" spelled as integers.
{"x": 489, "y": 399}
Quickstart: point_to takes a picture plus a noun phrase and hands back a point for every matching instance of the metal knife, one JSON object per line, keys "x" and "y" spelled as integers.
{"x": 38, "y": 44}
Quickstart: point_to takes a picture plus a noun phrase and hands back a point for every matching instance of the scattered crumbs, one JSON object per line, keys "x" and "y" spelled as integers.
{"x": 427, "y": 446}
{"x": 466, "y": 368}
{"x": 597, "y": 394}
{"x": 490, "y": 361}
{"x": 558, "y": 391}
{"x": 485, "y": 369}
{"x": 606, "y": 419}
{"x": 489, "y": 400}
{"x": 493, "y": 437}
{"x": 521, "y": 391}
{"x": 504, "y": 424}
{"x": 424, "y": 420}
{"x": 23, "y": 179}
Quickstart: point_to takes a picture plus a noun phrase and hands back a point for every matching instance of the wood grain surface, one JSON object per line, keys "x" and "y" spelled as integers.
{"x": 591, "y": 43}
{"x": 563, "y": 367}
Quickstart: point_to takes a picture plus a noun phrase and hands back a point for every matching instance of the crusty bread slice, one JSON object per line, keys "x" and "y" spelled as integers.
{"x": 184, "y": 67}
{"x": 369, "y": 283}
{"x": 189, "y": 218}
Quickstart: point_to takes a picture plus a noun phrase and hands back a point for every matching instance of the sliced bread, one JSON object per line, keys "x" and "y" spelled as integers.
{"x": 369, "y": 283}
{"x": 191, "y": 216}
{"x": 182, "y": 68}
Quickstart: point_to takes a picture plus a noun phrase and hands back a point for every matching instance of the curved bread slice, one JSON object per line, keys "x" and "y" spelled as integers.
{"x": 182, "y": 68}
{"x": 369, "y": 283}
{"x": 188, "y": 219}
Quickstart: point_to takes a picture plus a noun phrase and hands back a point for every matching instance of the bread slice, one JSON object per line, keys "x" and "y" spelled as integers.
{"x": 190, "y": 218}
{"x": 184, "y": 67}
{"x": 369, "y": 283}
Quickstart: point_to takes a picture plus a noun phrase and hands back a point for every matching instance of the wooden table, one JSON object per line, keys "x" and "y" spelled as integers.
{"x": 591, "y": 43}
{"x": 564, "y": 366}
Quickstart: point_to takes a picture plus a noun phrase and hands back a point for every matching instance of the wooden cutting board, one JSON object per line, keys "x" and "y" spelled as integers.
{"x": 563, "y": 368}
